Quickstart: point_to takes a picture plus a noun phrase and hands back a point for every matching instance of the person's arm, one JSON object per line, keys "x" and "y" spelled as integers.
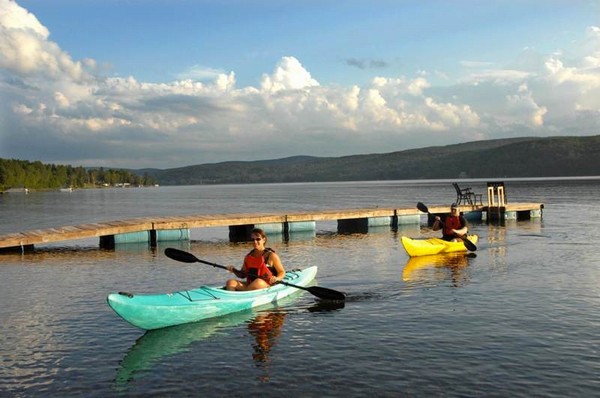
{"x": 464, "y": 227}
{"x": 279, "y": 273}
{"x": 238, "y": 273}
{"x": 437, "y": 225}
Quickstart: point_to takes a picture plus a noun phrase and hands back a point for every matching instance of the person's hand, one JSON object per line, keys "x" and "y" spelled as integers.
{"x": 230, "y": 268}
{"x": 274, "y": 279}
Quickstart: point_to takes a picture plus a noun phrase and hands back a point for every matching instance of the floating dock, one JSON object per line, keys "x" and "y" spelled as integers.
{"x": 153, "y": 230}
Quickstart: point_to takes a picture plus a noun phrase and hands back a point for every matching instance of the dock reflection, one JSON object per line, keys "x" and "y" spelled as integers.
{"x": 438, "y": 268}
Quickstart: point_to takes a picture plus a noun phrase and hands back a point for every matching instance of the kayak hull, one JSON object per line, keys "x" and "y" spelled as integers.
{"x": 425, "y": 247}
{"x": 155, "y": 311}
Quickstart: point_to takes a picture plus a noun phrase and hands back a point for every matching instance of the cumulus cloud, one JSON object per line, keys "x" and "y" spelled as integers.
{"x": 288, "y": 75}
{"x": 25, "y": 49}
{"x": 58, "y": 109}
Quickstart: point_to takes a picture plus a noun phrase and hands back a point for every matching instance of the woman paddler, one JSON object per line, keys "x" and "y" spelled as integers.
{"x": 262, "y": 266}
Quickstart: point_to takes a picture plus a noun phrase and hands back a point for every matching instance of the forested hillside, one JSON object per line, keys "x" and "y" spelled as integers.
{"x": 516, "y": 157}
{"x": 37, "y": 175}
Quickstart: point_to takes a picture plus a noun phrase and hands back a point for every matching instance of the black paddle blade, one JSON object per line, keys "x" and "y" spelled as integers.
{"x": 421, "y": 207}
{"x": 468, "y": 244}
{"x": 326, "y": 294}
{"x": 180, "y": 255}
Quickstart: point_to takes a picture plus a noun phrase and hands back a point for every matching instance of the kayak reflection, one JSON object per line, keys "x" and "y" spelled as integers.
{"x": 154, "y": 345}
{"x": 264, "y": 324}
{"x": 438, "y": 268}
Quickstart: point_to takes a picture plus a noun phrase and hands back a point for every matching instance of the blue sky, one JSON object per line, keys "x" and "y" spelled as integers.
{"x": 157, "y": 83}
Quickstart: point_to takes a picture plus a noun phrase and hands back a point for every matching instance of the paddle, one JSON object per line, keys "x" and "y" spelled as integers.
{"x": 468, "y": 244}
{"x": 320, "y": 292}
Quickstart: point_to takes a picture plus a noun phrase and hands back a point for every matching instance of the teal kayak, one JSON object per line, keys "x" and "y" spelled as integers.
{"x": 155, "y": 311}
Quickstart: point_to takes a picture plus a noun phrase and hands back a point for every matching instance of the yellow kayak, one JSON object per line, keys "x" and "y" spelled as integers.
{"x": 425, "y": 247}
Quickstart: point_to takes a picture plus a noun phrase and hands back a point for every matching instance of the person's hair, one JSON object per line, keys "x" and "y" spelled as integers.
{"x": 260, "y": 232}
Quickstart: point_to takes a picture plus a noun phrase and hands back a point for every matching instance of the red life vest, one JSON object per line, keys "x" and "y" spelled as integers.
{"x": 451, "y": 223}
{"x": 256, "y": 267}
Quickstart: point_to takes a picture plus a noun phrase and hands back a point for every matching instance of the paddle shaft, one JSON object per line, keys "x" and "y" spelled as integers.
{"x": 321, "y": 292}
{"x": 241, "y": 272}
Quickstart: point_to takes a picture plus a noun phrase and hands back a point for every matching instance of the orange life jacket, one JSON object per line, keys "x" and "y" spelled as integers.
{"x": 256, "y": 267}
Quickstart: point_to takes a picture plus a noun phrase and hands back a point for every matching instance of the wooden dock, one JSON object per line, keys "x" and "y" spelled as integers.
{"x": 353, "y": 220}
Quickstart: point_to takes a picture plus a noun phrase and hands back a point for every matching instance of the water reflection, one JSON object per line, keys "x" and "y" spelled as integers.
{"x": 265, "y": 328}
{"x": 438, "y": 268}
{"x": 155, "y": 345}
{"x": 263, "y": 325}
{"x": 58, "y": 255}
{"x": 326, "y": 306}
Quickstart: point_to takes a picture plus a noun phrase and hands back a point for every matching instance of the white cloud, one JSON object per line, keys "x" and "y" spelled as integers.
{"x": 200, "y": 73}
{"x": 523, "y": 108}
{"x": 25, "y": 48}
{"x": 501, "y": 76}
{"x": 56, "y": 109}
{"x": 417, "y": 86}
{"x": 14, "y": 17}
{"x": 288, "y": 75}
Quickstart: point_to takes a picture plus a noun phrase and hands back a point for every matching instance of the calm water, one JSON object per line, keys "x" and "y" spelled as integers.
{"x": 519, "y": 319}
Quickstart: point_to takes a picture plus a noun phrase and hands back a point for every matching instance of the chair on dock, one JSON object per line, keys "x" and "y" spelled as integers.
{"x": 466, "y": 196}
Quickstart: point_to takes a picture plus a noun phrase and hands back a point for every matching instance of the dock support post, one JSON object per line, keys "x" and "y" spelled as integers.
{"x": 17, "y": 249}
{"x": 361, "y": 225}
{"x": 107, "y": 242}
{"x": 353, "y": 225}
{"x": 240, "y": 233}
{"x": 152, "y": 238}
{"x": 394, "y": 223}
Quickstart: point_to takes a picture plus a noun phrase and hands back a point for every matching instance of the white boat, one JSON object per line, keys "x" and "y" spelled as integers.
{"x": 17, "y": 190}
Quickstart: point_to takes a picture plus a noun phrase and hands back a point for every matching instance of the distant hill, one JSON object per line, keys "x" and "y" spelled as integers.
{"x": 503, "y": 158}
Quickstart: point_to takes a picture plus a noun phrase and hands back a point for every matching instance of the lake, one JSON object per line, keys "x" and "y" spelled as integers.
{"x": 520, "y": 317}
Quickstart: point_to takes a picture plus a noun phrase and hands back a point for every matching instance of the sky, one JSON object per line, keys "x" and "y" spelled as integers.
{"x": 172, "y": 83}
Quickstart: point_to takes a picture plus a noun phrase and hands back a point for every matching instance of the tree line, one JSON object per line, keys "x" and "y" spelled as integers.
{"x": 16, "y": 173}
{"x": 519, "y": 157}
